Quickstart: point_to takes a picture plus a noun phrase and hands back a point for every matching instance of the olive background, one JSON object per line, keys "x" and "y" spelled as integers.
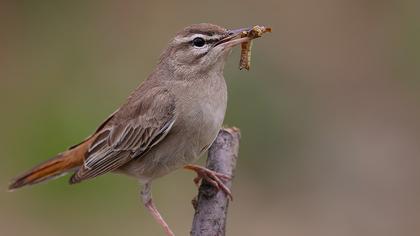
{"x": 329, "y": 114}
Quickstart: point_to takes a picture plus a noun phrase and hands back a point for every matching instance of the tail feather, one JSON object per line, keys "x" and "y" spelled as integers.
{"x": 54, "y": 167}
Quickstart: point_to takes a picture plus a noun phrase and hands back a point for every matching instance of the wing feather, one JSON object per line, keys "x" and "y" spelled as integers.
{"x": 130, "y": 134}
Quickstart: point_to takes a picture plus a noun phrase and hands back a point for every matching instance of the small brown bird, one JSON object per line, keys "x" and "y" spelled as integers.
{"x": 166, "y": 123}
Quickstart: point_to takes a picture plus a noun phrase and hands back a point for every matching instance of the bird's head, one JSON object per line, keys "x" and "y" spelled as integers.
{"x": 200, "y": 49}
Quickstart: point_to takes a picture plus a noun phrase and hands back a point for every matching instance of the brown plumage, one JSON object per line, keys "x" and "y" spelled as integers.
{"x": 54, "y": 167}
{"x": 132, "y": 130}
{"x": 165, "y": 124}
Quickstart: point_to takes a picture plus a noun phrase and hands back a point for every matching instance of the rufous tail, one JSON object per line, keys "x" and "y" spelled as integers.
{"x": 54, "y": 167}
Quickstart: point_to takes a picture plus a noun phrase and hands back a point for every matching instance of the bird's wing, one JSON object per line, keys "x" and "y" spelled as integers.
{"x": 136, "y": 127}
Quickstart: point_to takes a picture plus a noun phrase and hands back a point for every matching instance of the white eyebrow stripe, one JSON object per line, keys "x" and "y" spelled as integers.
{"x": 180, "y": 39}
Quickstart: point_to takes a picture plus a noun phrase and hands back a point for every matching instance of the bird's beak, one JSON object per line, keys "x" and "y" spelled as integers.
{"x": 233, "y": 38}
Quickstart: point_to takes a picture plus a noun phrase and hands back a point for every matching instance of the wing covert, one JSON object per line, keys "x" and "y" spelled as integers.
{"x": 138, "y": 125}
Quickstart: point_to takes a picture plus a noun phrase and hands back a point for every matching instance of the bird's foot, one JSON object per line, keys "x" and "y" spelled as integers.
{"x": 212, "y": 177}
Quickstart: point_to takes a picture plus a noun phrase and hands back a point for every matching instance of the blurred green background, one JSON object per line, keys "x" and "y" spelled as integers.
{"x": 329, "y": 114}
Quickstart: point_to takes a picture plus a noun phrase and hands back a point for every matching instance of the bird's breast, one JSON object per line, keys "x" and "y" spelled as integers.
{"x": 202, "y": 113}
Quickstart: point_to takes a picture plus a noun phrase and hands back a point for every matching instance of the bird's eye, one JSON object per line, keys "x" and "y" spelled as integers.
{"x": 198, "y": 42}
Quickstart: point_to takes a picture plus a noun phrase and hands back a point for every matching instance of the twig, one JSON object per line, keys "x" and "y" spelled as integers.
{"x": 211, "y": 205}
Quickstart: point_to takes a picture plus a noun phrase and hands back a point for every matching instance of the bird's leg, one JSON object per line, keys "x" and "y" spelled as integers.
{"x": 146, "y": 195}
{"x": 212, "y": 177}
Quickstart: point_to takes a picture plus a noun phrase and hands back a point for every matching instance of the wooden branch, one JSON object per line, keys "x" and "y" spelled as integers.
{"x": 211, "y": 205}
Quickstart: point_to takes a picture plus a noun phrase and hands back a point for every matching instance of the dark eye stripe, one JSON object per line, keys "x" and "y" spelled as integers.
{"x": 208, "y": 41}
{"x": 211, "y": 41}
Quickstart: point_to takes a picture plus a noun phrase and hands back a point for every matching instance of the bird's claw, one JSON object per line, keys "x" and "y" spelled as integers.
{"x": 212, "y": 177}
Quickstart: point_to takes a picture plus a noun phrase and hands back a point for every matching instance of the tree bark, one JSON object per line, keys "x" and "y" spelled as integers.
{"x": 211, "y": 205}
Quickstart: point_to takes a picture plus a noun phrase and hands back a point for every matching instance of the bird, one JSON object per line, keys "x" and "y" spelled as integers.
{"x": 165, "y": 124}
